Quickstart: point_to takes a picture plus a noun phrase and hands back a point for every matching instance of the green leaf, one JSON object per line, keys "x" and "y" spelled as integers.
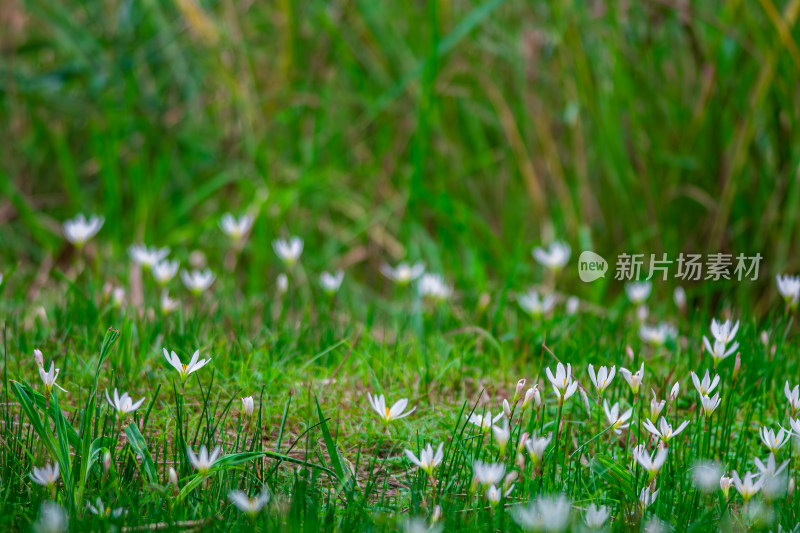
{"x": 139, "y": 445}
{"x": 333, "y": 452}
{"x": 614, "y": 473}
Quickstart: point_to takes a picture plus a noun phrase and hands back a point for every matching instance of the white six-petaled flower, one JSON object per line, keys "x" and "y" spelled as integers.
{"x": 719, "y": 350}
{"x": 246, "y": 504}
{"x": 562, "y": 382}
{"x": 79, "y": 230}
{"x": 793, "y": 397}
{"x": 535, "y": 306}
{"x": 596, "y": 517}
{"x": 330, "y": 283}
{"x": 197, "y": 281}
{"x": 773, "y": 441}
{"x": 710, "y": 404}
{"x": 634, "y": 379}
{"x": 602, "y": 379}
{"x": 747, "y": 487}
{"x": 185, "y": 370}
{"x": 47, "y": 476}
{"x": 547, "y": 513}
{"x": 100, "y": 509}
{"x": 789, "y": 287}
{"x": 428, "y": 460}
{"x": 203, "y": 461}
{"x": 657, "y": 335}
{"x": 388, "y": 414}
{"x": 618, "y": 421}
{"x": 664, "y": 430}
{"x": 724, "y": 332}
{"x": 486, "y": 474}
{"x": 288, "y": 251}
{"x": 236, "y": 229}
{"x": 123, "y": 404}
{"x": 650, "y": 464}
{"x": 705, "y": 386}
{"x": 147, "y": 257}
{"x": 485, "y": 421}
{"x": 49, "y": 378}
{"x": 536, "y": 447}
{"x": 433, "y": 287}
{"x": 554, "y": 257}
{"x": 638, "y": 291}
{"x": 164, "y": 270}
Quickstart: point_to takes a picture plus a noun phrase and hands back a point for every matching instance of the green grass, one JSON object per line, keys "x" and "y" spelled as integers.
{"x": 458, "y": 133}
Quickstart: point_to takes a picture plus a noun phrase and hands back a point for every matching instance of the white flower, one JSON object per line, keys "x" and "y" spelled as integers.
{"x": 536, "y": 447}
{"x": 706, "y": 476}
{"x": 531, "y": 304}
{"x": 707, "y": 385}
{"x": 235, "y": 229}
{"x": 789, "y": 287}
{"x": 197, "y": 281}
{"x": 724, "y": 332}
{"x": 651, "y": 465}
{"x": 403, "y": 274}
{"x": 547, "y": 513}
{"x": 282, "y": 283}
{"x": 747, "y": 487}
{"x": 772, "y": 476}
{"x": 428, "y": 459}
{"x": 655, "y": 406}
{"x": 792, "y": 396}
{"x": 563, "y": 385}
{"x": 719, "y": 351}
{"x": 596, "y": 517}
{"x": 388, "y": 414}
{"x": 165, "y": 270}
{"x": 646, "y": 498}
{"x": 501, "y": 434}
{"x": 657, "y": 335}
{"x": 725, "y": 483}
{"x": 288, "y": 251}
{"x": 634, "y": 379}
{"x": 47, "y": 476}
{"x": 331, "y": 282}
{"x": 147, "y": 257}
{"x": 638, "y": 291}
{"x": 555, "y": 257}
{"x": 618, "y": 423}
{"x": 602, "y": 379}
{"x": 416, "y": 524}
{"x": 185, "y": 370}
{"x": 484, "y": 421}
{"x": 710, "y": 405}
{"x": 123, "y": 404}
{"x": 100, "y": 509}
{"x": 52, "y": 519}
{"x": 248, "y": 405}
{"x": 49, "y": 378}
{"x": 493, "y": 495}
{"x": 679, "y": 297}
{"x": 773, "y": 441}
{"x": 573, "y": 303}
{"x": 118, "y": 296}
{"x": 673, "y": 393}
{"x": 664, "y": 430}
{"x": 203, "y": 461}
{"x": 168, "y": 305}
{"x": 486, "y": 474}
{"x": 79, "y": 230}
{"x": 246, "y": 504}
{"x": 433, "y": 287}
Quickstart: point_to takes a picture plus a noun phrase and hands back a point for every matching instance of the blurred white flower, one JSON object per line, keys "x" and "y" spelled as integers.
{"x": 725, "y": 483}
{"x": 185, "y": 370}
{"x": 79, "y": 230}
{"x": 596, "y": 517}
{"x": 415, "y": 524}
{"x": 650, "y": 464}
{"x": 789, "y": 287}
{"x": 288, "y": 251}
{"x": 747, "y": 487}
{"x": 236, "y": 229}
{"x": 618, "y": 422}
{"x": 197, "y": 281}
{"x": 657, "y": 335}
{"x": 100, "y": 509}
{"x": 664, "y": 430}
{"x": 501, "y": 435}
{"x": 719, "y": 351}
{"x": 773, "y": 441}
{"x": 638, "y": 291}
{"x": 403, "y": 274}
{"x": 655, "y": 406}
{"x": 534, "y": 306}
{"x": 246, "y": 504}
{"x": 536, "y": 447}
{"x": 646, "y": 498}
{"x": 203, "y": 461}
{"x": 679, "y": 297}
{"x": 774, "y": 481}
{"x": 563, "y": 385}
{"x": 723, "y": 332}
{"x": 330, "y": 283}
{"x": 118, "y": 296}
{"x": 147, "y": 257}
{"x": 52, "y": 519}
{"x": 486, "y": 474}
{"x": 282, "y": 283}
{"x": 123, "y": 404}
{"x": 546, "y": 513}
{"x": 602, "y": 379}
{"x": 165, "y": 270}
{"x": 428, "y": 460}
{"x": 38, "y": 357}
{"x": 634, "y": 379}
{"x": 168, "y": 305}
{"x": 433, "y": 287}
{"x": 388, "y": 414}
{"x": 706, "y": 476}
{"x": 47, "y": 476}
{"x": 573, "y": 303}
{"x": 554, "y": 257}
{"x": 793, "y": 397}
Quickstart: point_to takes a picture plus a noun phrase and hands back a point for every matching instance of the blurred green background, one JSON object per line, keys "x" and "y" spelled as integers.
{"x": 457, "y": 132}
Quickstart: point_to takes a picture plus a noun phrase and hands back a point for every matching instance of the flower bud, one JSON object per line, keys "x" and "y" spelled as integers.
{"x": 37, "y": 355}
{"x": 282, "y": 283}
{"x": 673, "y": 394}
{"x": 522, "y": 439}
{"x": 629, "y": 352}
{"x": 437, "y": 513}
{"x": 737, "y": 364}
{"x": 520, "y": 461}
{"x": 509, "y": 480}
{"x": 106, "y": 462}
{"x": 247, "y": 405}
{"x": 173, "y": 477}
{"x": 506, "y": 408}
{"x": 520, "y": 387}
{"x": 484, "y": 301}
